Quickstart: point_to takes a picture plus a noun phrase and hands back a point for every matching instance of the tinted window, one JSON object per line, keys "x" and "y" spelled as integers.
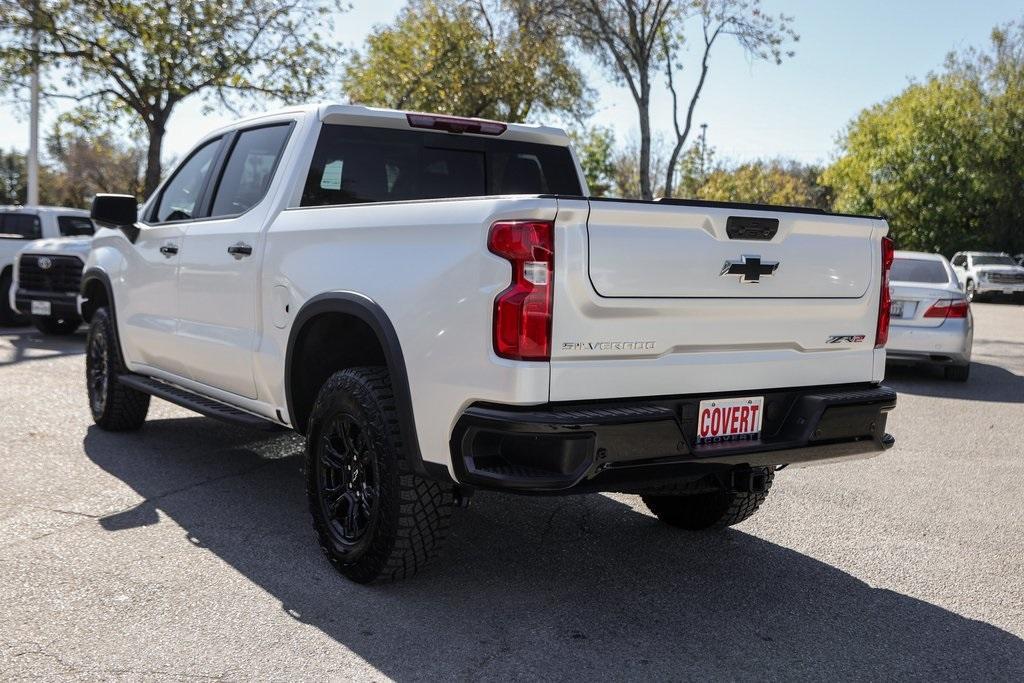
{"x": 71, "y": 226}
{"x": 179, "y": 197}
{"x": 959, "y": 260}
{"x": 249, "y": 169}
{"x": 918, "y": 270}
{"x": 20, "y": 226}
{"x": 361, "y": 164}
{"x": 993, "y": 261}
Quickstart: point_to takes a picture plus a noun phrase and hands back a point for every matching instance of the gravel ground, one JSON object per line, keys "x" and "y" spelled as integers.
{"x": 185, "y": 551}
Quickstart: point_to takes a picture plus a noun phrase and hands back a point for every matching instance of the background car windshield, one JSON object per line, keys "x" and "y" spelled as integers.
{"x": 19, "y": 226}
{"x": 918, "y": 270}
{"x": 993, "y": 261}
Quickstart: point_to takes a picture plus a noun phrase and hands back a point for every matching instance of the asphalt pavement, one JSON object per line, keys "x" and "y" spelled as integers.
{"x": 185, "y": 551}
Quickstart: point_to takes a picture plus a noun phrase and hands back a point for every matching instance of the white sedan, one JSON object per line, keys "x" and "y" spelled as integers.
{"x": 931, "y": 322}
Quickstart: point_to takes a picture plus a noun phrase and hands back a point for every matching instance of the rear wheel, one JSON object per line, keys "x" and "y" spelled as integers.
{"x": 958, "y": 373}
{"x": 114, "y": 406}
{"x": 8, "y": 316}
{"x": 709, "y": 510}
{"x": 376, "y": 519}
{"x": 51, "y": 324}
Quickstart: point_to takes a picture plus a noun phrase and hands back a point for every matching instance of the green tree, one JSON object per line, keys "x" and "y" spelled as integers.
{"x": 636, "y": 40}
{"x": 14, "y": 180}
{"x": 143, "y": 57}
{"x": 500, "y": 60}
{"x": 595, "y": 148}
{"x": 943, "y": 159}
{"x": 766, "y": 182}
{"x": 88, "y": 158}
{"x": 13, "y": 177}
{"x": 695, "y": 165}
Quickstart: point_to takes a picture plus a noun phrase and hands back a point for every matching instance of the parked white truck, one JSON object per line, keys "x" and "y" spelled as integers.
{"x": 439, "y": 307}
{"x": 58, "y": 234}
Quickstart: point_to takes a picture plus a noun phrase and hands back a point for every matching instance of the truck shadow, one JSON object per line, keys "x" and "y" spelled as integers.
{"x": 544, "y": 587}
{"x": 27, "y": 344}
{"x": 987, "y": 383}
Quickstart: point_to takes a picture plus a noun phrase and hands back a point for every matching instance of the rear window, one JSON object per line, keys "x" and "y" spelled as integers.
{"x": 72, "y": 226}
{"x": 355, "y": 164}
{"x": 918, "y": 270}
{"x": 20, "y": 226}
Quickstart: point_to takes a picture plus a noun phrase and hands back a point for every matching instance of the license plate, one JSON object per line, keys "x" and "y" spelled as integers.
{"x": 896, "y": 309}
{"x": 40, "y": 308}
{"x": 729, "y": 419}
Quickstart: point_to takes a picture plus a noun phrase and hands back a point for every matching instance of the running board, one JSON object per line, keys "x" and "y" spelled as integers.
{"x": 195, "y": 402}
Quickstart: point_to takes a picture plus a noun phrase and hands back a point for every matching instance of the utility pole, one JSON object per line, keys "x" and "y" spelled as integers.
{"x": 33, "y": 126}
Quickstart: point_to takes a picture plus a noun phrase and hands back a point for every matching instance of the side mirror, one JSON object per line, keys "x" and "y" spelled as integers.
{"x": 115, "y": 210}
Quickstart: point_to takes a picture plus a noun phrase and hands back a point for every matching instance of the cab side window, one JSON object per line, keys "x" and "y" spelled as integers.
{"x": 249, "y": 169}
{"x": 20, "y": 226}
{"x": 179, "y": 200}
{"x": 960, "y": 260}
{"x": 73, "y": 226}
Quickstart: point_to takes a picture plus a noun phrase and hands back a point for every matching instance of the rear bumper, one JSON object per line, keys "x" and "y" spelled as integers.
{"x": 61, "y": 304}
{"x": 630, "y": 445}
{"x": 948, "y": 344}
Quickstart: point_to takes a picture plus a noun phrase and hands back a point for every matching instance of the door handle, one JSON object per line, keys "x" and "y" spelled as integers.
{"x": 239, "y": 250}
{"x": 169, "y": 250}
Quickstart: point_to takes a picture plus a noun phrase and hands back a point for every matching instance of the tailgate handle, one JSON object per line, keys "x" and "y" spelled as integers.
{"x": 751, "y": 228}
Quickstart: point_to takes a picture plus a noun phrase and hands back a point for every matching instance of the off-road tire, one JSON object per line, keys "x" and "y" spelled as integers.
{"x": 52, "y": 324}
{"x": 8, "y": 316}
{"x": 957, "y": 373}
{"x": 114, "y": 406}
{"x": 715, "y": 510}
{"x": 412, "y": 514}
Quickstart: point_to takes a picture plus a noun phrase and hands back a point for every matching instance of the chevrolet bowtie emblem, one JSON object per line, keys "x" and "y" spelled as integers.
{"x": 751, "y": 269}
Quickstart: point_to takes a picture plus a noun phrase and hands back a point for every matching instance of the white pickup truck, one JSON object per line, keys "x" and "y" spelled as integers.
{"x": 439, "y": 307}
{"x": 55, "y": 240}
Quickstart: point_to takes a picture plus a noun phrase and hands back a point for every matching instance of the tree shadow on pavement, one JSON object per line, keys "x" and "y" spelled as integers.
{"x": 987, "y": 383}
{"x": 541, "y": 587}
{"x": 30, "y": 344}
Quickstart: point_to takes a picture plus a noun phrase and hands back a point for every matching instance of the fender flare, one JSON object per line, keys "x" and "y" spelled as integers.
{"x": 369, "y": 312}
{"x": 96, "y": 275}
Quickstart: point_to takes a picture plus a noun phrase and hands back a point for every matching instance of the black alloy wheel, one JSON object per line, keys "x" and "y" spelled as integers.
{"x": 97, "y": 372}
{"x": 348, "y": 478}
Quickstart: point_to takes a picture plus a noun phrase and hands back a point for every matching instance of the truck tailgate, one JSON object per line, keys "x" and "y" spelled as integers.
{"x": 657, "y": 299}
{"x": 660, "y": 250}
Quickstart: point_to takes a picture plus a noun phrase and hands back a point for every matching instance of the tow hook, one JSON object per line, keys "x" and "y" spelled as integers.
{"x": 749, "y": 480}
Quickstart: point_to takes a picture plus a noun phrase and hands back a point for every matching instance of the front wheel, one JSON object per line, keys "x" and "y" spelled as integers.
{"x": 51, "y": 324}
{"x": 711, "y": 510}
{"x": 376, "y": 519}
{"x": 114, "y": 406}
{"x": 970, "y": 290}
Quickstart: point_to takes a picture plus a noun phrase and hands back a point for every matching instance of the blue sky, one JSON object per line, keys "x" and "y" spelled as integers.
{"x": 851, "y": 54}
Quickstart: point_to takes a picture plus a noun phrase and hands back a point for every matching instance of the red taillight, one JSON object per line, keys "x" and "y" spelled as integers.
{"x": 453, "y": 124}
{"x": 522, "y": 313}
{"x": 947, "y": 308}
{"x": 885, "y": 297}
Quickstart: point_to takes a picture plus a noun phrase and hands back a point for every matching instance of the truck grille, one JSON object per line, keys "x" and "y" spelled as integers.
{"x": 63, "y": 275}
{"x": 1006, "y": 278}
